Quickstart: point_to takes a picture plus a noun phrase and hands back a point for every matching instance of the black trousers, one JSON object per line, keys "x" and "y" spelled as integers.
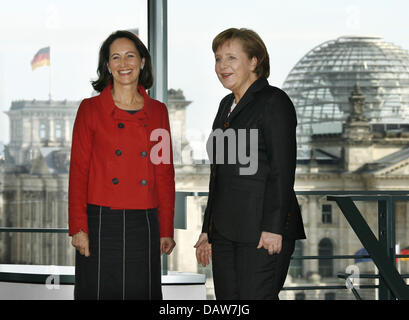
{"x": 243, "y": 272}
{"x": 124, "y": 261}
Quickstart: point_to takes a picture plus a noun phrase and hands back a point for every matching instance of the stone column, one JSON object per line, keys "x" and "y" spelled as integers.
{"x": 67, "y": 131}
{"x": 51, "y": 130}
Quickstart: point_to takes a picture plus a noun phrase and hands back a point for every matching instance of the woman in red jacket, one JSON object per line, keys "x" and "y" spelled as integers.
{"x": 121, "y": 188}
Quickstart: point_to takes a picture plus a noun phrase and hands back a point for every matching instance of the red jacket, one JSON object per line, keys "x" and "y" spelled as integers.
{"x": 111, "y": 161}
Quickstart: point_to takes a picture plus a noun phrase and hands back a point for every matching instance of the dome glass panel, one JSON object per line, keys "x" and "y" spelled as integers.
{"x": 321, "y": 83}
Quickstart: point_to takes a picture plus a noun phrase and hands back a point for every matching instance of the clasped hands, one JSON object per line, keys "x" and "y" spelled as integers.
{"x": 272, "y": 242}
{"x": 80, "y": 241}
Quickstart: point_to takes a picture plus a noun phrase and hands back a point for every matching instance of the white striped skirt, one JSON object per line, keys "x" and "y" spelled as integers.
{"x": 124, "y": 261}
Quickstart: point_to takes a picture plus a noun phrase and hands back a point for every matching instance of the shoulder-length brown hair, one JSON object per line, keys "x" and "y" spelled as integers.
{"x": 104, "y": 77}
{"x": 253, "y": 46}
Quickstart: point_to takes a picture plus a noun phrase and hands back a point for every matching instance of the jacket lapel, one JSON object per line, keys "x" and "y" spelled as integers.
{"x": 223, "y": 111}
{"x": 244, "y": 101}
{"x": 257, "y": 85}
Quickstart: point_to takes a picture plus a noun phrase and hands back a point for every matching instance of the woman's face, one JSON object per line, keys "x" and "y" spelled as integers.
{"x": 124, "y": 62}
{"x": 233, "y": 67}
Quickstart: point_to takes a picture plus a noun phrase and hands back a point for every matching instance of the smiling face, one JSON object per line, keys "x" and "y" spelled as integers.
{"x": 124, "y": 62}
{"x": 234, "y": 68}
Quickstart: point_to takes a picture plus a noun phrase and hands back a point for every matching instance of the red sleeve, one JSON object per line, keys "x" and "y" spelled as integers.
{"x": 81, "y": 147}
{"x": 165, "y": 182}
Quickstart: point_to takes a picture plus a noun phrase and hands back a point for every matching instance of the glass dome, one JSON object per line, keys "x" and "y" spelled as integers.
{"x": 322, "y": 81}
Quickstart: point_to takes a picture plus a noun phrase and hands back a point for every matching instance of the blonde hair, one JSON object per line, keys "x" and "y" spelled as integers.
{"x": 252, "y": 44}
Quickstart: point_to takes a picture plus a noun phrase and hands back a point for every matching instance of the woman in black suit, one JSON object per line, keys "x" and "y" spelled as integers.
{"x": 252, "y": 217}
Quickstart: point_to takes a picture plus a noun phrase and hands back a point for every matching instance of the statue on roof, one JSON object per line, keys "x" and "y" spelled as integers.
{"x": 357, "y": 103}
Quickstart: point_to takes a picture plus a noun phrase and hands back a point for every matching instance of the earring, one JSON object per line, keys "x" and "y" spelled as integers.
{"x": 110, "y": 72}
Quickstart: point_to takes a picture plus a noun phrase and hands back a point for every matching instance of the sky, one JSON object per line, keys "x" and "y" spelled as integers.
{"x": 75, "y": 30}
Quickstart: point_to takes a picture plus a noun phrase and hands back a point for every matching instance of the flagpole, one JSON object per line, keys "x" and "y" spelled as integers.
{"x": 49, "y": 82}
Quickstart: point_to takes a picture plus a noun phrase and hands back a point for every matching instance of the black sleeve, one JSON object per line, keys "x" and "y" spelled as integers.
{"x": 278, "y": 129}
{"x": 206, "y": 219}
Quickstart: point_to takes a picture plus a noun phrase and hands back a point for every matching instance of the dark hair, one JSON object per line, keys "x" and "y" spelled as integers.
{"x": 253, "y": 46}
{"x": 104, "y": 77}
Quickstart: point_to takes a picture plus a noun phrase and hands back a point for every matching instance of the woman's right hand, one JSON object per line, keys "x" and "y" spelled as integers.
{"x": 203, "y": 250}
{"x": 81, "y": 242}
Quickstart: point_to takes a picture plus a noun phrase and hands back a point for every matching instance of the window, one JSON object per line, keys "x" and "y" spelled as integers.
{"x": 58, "y": 131}
{"x": 74, "y": 31}
{"x": 326, "y": 213}
{"x": 296, "y": 265}
{"x": 300, "y": 296}
{"x": 43, "y": 131}
{"x": 325, "y": 266}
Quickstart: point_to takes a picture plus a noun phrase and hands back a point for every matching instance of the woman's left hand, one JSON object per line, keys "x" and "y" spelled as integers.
{"x": 167, "y": 245}
{"x": 271, "y": 242}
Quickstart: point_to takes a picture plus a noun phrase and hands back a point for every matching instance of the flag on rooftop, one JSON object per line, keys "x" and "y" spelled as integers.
{"x": 41, "y": 58}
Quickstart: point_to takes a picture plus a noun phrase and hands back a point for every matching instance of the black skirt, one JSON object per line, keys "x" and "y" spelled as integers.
{"x": 124, "y": 261}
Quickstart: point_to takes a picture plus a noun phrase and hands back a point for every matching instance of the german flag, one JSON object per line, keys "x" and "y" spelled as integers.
{"x": 404, "y": 251}
{"x": 41, "y": 58}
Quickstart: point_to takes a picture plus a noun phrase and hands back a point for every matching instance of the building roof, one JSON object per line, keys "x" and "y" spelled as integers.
{"x": 44, "y": 104}
{"x": 385, "y": 162}
{"x": 321, "y": 83}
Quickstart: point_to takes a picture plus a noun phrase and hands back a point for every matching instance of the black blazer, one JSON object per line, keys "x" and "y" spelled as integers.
{"x": 241, "y": 206}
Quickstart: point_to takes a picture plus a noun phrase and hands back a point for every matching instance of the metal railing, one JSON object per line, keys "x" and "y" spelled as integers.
{"x": 381, "y": 251}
